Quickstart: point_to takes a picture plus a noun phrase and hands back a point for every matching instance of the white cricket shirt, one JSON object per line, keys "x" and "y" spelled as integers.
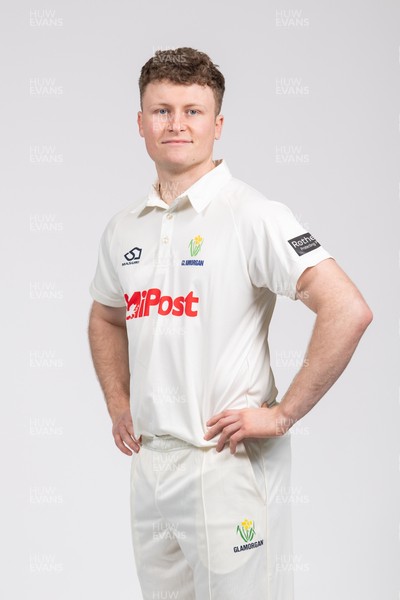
{"x": 199, "y": 281}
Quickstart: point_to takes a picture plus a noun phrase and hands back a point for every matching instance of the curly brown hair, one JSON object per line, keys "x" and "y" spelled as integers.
{"x": 183, "y": 66}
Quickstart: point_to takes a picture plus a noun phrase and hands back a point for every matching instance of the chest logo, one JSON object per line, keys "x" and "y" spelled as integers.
{"x": 132, "y": 256}
{"x": 195, "y": 245}
{"x": 142, "y": 303}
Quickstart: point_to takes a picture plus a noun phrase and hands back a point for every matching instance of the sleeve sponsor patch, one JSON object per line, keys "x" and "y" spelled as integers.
{"x": 304, "y": 243}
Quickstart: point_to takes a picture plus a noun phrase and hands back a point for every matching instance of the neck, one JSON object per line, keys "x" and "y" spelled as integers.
{"x": 172, "y": 184}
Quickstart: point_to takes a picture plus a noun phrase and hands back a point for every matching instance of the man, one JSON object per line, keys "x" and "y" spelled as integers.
{"x": 184, "y": 292}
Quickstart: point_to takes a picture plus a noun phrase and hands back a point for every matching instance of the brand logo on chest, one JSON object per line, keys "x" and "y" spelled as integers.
{"x": 195, "y": 245}
{"x": 141, "y": 303}
{"x": 132, "y": 256}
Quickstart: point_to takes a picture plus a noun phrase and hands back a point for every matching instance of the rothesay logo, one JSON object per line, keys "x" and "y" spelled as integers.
{"x": 304, "y": 243}
{"x": 132, "y": 256}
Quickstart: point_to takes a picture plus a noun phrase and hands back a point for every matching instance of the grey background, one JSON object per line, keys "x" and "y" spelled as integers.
{"x": 72, "y": 157}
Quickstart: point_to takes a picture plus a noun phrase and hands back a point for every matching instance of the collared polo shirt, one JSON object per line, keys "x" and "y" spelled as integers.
{"x": 199, "y": 280}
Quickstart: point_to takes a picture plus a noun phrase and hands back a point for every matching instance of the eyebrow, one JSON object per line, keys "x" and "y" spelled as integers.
{"x": 169, "y": 105}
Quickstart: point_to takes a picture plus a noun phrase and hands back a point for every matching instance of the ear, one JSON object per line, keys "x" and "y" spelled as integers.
{"x": 219, "y": 121}
{"x": 140, "y": 123}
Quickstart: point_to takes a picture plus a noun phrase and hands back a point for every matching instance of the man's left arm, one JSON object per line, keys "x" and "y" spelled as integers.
{"x": 342, "y": 316}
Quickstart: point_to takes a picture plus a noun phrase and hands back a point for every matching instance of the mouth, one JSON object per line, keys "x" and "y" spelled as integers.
{"x": 177, "y": 142}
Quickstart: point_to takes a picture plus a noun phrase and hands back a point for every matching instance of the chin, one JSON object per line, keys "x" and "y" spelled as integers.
{"x": 174, "y": 162}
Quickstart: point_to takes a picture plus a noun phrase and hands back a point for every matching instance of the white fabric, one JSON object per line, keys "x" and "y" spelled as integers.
{"x": 209, "y": 525}
{"x": 199, "y": 280}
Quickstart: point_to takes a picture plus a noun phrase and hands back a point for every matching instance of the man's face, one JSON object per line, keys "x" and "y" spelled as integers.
{"x": 178, "y": 124}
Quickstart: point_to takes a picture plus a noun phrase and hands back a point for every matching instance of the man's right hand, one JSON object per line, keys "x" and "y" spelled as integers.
{"x": 122, "y": 430}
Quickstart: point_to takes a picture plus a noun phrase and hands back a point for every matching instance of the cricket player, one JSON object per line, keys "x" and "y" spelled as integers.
{"x": 185, "y": 287}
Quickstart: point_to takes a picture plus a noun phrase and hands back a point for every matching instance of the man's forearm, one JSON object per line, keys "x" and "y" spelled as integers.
{"x": 109, "y": 347}
{"x": 334, "y": 339}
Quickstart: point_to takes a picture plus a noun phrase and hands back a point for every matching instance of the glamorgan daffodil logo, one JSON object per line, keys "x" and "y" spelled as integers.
{"x": 247, "y": 530}
{"x": 195, "y": 245}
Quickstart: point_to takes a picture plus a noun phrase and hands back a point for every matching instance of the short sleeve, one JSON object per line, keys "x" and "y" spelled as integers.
{"x": 280, "y": 249}
{"x": 105, "y": 286}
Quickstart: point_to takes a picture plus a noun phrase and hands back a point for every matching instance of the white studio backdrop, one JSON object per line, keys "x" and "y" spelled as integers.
{"x": 312, "y": 120}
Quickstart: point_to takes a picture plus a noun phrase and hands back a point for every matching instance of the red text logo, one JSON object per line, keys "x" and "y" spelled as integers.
{"x": 140, "y": 304}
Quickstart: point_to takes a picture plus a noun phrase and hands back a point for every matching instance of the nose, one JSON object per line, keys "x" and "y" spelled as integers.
{"x": 175, "y": 122}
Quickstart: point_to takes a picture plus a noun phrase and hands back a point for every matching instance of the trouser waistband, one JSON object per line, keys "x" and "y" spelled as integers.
{"x": 164, "y": 443}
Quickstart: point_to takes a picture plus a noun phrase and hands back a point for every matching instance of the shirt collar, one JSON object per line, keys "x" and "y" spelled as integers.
{"x": 200, "y": 193}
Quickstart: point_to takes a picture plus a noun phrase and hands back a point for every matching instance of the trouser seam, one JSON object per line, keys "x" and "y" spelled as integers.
{"x": 205, "y": 527}
{"x": 267, "y": 553}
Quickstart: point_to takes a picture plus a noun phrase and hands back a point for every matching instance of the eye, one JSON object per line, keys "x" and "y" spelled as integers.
{"x": 160, "y": 111}
{"x": 193, "y": 110}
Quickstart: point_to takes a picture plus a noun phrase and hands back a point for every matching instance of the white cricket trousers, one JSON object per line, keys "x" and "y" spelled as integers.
{"x": 210, "y": 525}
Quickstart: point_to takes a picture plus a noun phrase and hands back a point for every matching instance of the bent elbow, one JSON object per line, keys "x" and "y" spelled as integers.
{"x": 363, "y": 317}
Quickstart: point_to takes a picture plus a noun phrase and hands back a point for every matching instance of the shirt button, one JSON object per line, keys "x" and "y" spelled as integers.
{"x": 165, "y": 239}
{"x": 169, "y": 216}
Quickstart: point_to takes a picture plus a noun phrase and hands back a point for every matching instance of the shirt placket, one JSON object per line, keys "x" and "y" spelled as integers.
{"x": 166, "y": 233}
